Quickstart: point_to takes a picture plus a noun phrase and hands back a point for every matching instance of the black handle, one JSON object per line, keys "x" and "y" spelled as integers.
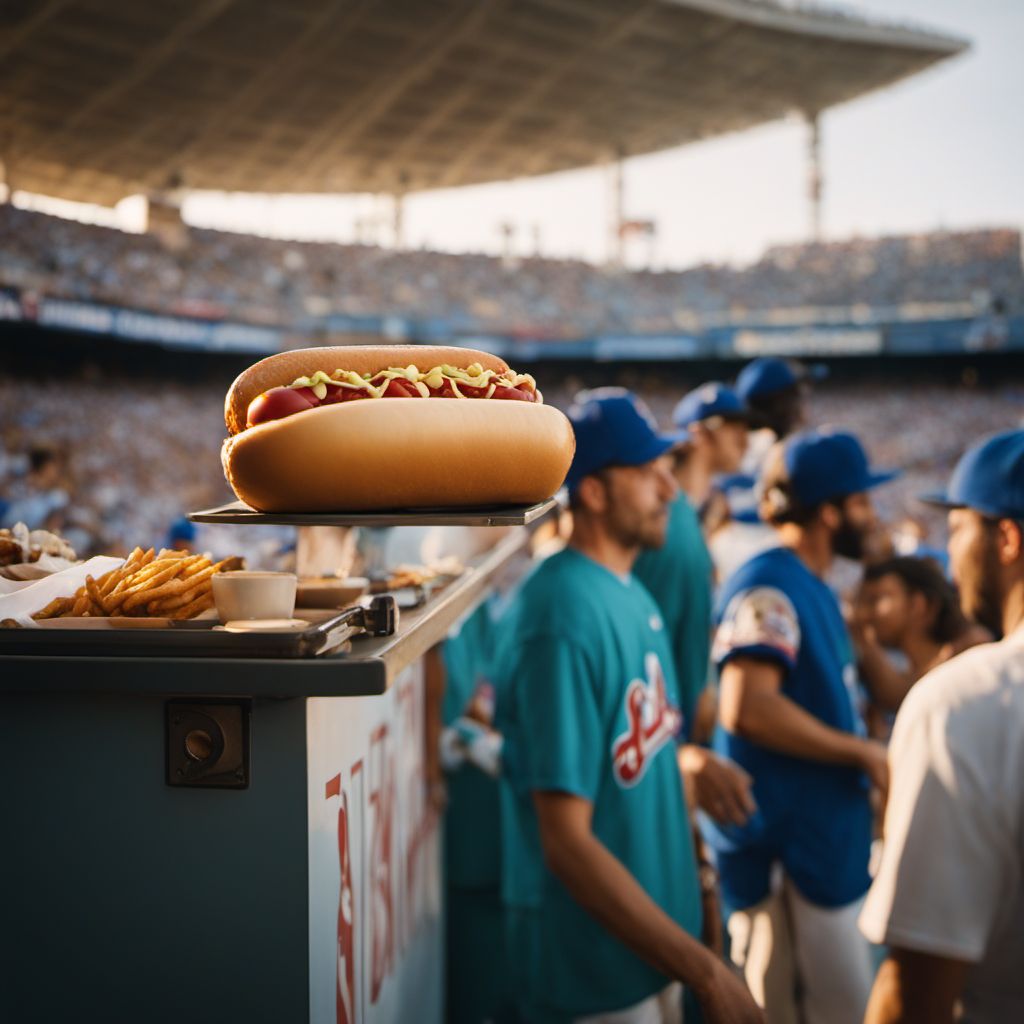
{"x": 379, "y": 619}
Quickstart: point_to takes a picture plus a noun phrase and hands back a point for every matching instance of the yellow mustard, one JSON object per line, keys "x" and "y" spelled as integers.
{"x": 474, "y": 376}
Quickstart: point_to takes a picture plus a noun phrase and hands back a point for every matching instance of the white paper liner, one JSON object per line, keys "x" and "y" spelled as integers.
{"x": 22, "y": 604}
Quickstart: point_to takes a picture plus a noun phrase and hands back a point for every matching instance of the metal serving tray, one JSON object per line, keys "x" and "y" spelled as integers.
{"x": 237, "y": 512}
{"x": 199, "y": 638}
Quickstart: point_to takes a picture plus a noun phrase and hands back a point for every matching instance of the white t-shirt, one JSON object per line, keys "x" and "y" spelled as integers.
{"x": 759, "y": 444}
{"x": 737, "y": 543}
{"x": 951, "y": 880}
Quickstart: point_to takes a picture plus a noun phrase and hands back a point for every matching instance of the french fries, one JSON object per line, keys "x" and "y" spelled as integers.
{"x": 171, "y": 584}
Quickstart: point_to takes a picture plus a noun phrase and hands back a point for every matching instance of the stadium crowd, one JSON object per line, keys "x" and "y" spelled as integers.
{"x": 259, "y": 280}
{"x": 123, "y": 470}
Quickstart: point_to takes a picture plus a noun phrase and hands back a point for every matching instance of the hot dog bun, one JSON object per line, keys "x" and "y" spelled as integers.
{"x": 392, "y": 453}
{"x": 281, "y": 369}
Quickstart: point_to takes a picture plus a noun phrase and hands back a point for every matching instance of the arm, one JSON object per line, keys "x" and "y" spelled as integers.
{"x": 887, "y": 685}
{"x": 704, "y": 715}
{"x": 600, "y": 883}
{"x": 916, "y": 988}
{"x": 752, "y": 706}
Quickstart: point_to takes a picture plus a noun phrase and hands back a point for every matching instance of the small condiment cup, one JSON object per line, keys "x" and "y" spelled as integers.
{"x": 254, "y": 595}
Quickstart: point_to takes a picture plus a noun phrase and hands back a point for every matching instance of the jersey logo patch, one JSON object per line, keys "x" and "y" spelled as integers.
{"x": 653, "y": 722}
{"x": 760, "y": 617}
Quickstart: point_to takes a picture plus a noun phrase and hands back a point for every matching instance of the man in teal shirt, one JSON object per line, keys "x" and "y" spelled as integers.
{"x": 599, "y": 875}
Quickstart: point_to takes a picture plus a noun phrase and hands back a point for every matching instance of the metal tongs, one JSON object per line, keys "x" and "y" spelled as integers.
{"x": 378, "y": 618}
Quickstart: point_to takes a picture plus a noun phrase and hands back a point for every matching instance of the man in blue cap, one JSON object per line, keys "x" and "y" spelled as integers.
{"x": 599, "y": 875}
{"x": 795, "y": 874}
{"x": 948, "y": 898}
{"x": 713, "y": 425}
{"x": 776, "y": 389}
{"x": 716, "y": 428}
{"x": 679, "y": 574}
{"x": 181, "y": 535}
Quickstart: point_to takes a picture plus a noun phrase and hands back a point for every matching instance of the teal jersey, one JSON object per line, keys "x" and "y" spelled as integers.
{"x": 472, "y": 819}
{"x": 588, "y": 704}
{"x": 679, "y": 577}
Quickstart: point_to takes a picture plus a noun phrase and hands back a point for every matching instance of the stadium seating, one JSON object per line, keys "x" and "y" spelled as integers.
{"x": 289, "y": 284}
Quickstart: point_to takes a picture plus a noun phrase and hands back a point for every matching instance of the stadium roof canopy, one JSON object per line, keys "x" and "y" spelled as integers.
{"x": 103, "y": 98}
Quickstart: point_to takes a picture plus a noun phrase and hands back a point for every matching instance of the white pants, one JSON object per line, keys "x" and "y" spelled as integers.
{"x": 664, "y": 1007}
{"x": 804, "y": 964}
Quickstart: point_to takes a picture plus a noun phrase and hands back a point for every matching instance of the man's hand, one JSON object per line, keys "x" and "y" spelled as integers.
{"x": 724, "y": 999}
{"x": 717, "y": 786}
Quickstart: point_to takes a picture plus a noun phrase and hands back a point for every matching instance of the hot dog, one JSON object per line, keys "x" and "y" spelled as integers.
{"x": 314, "y": 430}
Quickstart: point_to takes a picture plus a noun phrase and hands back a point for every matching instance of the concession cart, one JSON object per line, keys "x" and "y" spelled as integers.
{"x": 231, "y": 833}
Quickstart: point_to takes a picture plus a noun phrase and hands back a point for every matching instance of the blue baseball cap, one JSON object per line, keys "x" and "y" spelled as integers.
{"x": 988, "y": 478}
{"x": 768, "y": 375}
{"x": 711, "y": 399}
{"x": 825, "y": 464}
{"x": 182, "y": 529}
{"x": 613, "y": 428}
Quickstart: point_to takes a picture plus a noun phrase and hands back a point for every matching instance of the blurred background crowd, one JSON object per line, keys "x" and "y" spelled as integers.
{"x": 284, "y": 283}
{"x": 114, "y": 460}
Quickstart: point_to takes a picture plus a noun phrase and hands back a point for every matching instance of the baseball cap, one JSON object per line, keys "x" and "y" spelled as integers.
{"x": 612, "y": 429}
{"x": 182, "y": 529}
{"x": 768, "y": 375}
{"x": 824, "y": 464}
{"x": 988, "y": 478}
{"x": 711, "y": 399}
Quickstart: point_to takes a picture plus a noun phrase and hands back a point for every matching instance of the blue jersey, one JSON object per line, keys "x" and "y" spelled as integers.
{"x": 814, "y": 818}
{"x": 589, "y": 706}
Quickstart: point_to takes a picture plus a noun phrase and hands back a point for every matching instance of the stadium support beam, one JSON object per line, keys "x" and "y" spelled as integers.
{"x": 398, "y": 220}
{"x": 815, "y": 176}
{"x": 617, "y": 212}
